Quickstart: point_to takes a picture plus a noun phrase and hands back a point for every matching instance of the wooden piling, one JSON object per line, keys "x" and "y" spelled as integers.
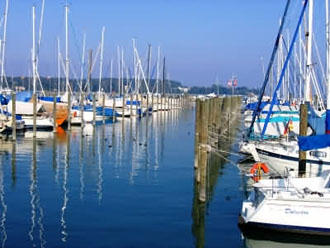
{"x": 197, "y": 131}
{"x": 131, "y": 105}
{"x": 103, "y": 106}
{"x": 147, "y": 103}
{"x": 303, "y": 132}
{"x": 34, "y": 100}
{"x": 54, "y": 113}
{"x": 13, "y": 115}
{"x": 161, "y": 103}
{"x": 203, "y": 150}
{"x": 123, "y": 113}
{"x": 114, "y": 108}
{"x": 69, "y": 111}
{"x": 152, "y": 102}
{"x": 94, "y": 110}
{"x": 82, "y": 110}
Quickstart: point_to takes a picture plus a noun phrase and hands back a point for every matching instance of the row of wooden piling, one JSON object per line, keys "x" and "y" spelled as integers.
{"x": 212, "y": 120}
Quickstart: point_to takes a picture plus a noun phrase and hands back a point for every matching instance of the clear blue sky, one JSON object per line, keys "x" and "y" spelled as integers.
{"x": 200, "y": 38}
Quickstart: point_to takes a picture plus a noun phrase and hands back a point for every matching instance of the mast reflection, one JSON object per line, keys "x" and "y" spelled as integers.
{"x": 3, "y": 207}
{"x": 36, "y": 230}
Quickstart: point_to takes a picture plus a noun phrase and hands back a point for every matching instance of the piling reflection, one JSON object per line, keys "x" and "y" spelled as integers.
{"x": 100, "y": 165}
{"x": 65, "y": 191}
{"x": 127, "y": 150}
{"x": 213, "y": 144}
{"x": 13, "y": 163}
{"x": 81, "y": 164}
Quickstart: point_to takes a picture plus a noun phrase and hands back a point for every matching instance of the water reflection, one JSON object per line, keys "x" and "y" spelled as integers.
{"x": 13, "y": 163}
{"x": 3, "y": 207}
{"x": 100, "y": 164}
{"x": 206, "y": 179}
{"x": 65, "y": 191}
{"x": 252, "y": 243}
{"x": 36, "y": 232}
{"x": 76, "y": 168}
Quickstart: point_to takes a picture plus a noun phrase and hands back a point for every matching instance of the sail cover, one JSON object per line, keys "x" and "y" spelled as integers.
{"x": 313, "y": 142}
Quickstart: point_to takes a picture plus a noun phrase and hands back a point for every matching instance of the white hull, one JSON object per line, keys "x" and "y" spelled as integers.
{"x": 44, "y": 123}
{"x": 87, "y": 116}
{"x": 283, "y": 155}
{"x": 290, "y": 204}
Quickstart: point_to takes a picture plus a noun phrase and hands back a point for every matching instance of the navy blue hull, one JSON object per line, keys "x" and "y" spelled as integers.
{"x": 284, "y": 233}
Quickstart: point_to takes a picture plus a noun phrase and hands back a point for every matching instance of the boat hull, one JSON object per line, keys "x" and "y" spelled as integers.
{"x": 61, "y": 111}
{"x": 282, "y": 233}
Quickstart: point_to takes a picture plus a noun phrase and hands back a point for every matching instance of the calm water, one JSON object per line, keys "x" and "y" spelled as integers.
{"x": 126, "y": 184}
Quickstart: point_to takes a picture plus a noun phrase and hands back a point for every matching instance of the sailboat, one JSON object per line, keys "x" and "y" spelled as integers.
{"x": 297, "y": 206}
{"x": 288, "y": 205}
{"x": 61, "y": 101}
{"x": 282, "y": 153}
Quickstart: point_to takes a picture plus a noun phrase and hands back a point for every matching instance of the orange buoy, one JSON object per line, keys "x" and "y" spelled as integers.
{"x": 256, "y": 170}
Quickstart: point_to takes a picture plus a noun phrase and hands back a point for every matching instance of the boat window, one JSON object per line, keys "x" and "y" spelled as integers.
{"x": 258, "y": 197}
{"x": 318, "y": 154}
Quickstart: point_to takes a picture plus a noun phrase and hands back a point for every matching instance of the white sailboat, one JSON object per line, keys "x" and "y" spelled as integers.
{"x": 284, "y": 153}
{"x": 288, "y": 205}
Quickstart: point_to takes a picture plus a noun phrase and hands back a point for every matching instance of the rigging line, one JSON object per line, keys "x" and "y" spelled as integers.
{"x": 270, "y": 65}
{"x": 228, "y": 152}
{"x": 223, "y": 157}
{"x": 274, "y": 99}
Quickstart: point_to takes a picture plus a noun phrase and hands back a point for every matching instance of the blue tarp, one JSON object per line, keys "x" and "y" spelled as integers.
{"x": 253, "y": 105}
{"x": 4, "y": 100}
{"x": 327, "y": 122}
{"x": 313, "y": 142}
{"x": 18, "y": 117}
{"x": 133, "y": 103}
{"x": 23, "y": 96}
{"x": 50, "y": 98}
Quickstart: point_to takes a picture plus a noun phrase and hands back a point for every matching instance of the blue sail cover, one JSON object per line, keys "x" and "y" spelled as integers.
{"x": 50, "y": 98}
{"x": 327, "y": 122}
{"x": 4, "y": 100}
{"x": 23, "y": 96}
{"x": 254, "y": 105}
{"x": 313, "y": 142}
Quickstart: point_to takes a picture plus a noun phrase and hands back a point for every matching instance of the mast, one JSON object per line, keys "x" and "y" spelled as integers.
{"x": 111, "y": 65}
{"x": 309, "y": 53}
{"x": 158, "y": 70}
{"x": 4, "y": 44}
{"x": 58, "y": 67}
{"x": 122, "y": 71}
{"x": 89, "y": 76}
{"x": 119, "y": 72}
{"x": 101, "y": 60}
{"x": 257, "y": 110}
{"x": 327, "y": 122}
{"x": 66, "y": 49}
{"x": 34, "y": 60}
{"x": 300, "y": 65}
{"x": 164, "y": 75}
{"x": 82, "y": 62}
{"x": 148, "y": 66}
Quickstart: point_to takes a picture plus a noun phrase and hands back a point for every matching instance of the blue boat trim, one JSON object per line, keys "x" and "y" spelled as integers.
{"x": 279, "y": 119}
{"x": 275, "y": 155}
